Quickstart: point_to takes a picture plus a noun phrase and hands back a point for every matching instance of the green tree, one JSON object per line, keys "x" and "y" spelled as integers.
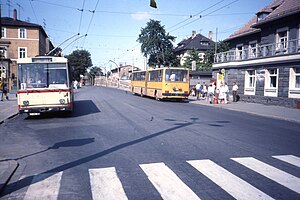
{"x": 81, "y": 61}
{"x": 95, "y": 71}
{"x": 157, "y": 45}
{"x": 193, "y": 55}
{"x": 209, "y": 54}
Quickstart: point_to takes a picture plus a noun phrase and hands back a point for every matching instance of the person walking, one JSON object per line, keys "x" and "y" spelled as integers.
{"x": 226, "y": 89}
{"x": 234, "y": 91}
{"x": 203, "y": 91}
{"x": 3, "y": 87}
{"x": 198, "y": 90}
{"x": 211, "y": 91}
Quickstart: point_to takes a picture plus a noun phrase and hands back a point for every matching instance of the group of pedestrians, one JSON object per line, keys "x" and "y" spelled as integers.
{"x": 215, "y": 95}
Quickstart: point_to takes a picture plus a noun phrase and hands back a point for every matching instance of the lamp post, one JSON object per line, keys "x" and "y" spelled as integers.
{"x": 105, "y": 75}
{"x": 118, "y": 71}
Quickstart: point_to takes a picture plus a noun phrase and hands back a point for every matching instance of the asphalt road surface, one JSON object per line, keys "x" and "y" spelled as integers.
{"x": 120, "y": 146}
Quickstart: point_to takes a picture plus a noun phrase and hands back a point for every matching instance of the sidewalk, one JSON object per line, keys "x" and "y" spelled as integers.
{"x": 8, "y": 108}
{"x": 277, "y": 112}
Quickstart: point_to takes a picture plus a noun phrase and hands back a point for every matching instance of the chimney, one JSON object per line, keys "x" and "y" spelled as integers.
{"x": 193, "y": 34}
{"x": 210, "y": 35}
{"x": 15, "y": 14}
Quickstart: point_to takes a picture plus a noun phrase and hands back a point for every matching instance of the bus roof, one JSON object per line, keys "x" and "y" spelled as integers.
{"x": 42, "y": 59}
{"x": 153, "y": 69}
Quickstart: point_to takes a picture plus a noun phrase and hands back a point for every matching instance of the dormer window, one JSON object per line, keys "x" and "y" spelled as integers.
{"x": 261, "y": 16}
{"x": 204, "y": 43}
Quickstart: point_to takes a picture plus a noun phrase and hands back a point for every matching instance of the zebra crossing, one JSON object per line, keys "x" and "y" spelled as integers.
{"x": 106, "y": 184}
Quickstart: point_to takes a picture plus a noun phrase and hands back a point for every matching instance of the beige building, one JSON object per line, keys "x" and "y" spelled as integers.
{"x": 20, "y": 39}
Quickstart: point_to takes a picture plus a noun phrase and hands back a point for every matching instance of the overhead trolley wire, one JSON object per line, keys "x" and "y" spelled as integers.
{"x": 56, "y": 4}
{"x": 37, "y": 21}
{"x": 191, "y": 16}
{"x": 205, "y": 15}
{"x": 93, "y": 13}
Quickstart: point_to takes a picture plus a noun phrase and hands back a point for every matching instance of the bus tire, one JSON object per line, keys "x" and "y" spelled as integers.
{"x": 156, "y": 96}
{"x": 142, "y": 92}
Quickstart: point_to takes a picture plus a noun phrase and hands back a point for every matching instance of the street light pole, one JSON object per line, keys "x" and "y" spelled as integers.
{"x": 118, "y": 72}
{"x": 105, "y": 75}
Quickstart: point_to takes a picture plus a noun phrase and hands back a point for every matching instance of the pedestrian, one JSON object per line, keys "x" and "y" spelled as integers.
{"x": 222, "y": 93}
{"x": 4, "y": 91}
{"x": 226, "y": 89}
{"x": 211, "y": 91}
{"x": 1, "y": 89}
{"x": 234, "y": 91}
{"x": 198, "y": 90}
{"x": 204, "y": 90}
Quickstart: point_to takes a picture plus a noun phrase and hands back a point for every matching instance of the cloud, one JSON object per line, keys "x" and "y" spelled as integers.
{"x": 139, "y": 16}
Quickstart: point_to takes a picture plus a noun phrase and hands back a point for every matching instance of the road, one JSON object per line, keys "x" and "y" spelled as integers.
{"x": 120, "y": 146}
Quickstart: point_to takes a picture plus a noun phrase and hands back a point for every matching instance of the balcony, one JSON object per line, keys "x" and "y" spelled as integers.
{"x": 258, "y": 52}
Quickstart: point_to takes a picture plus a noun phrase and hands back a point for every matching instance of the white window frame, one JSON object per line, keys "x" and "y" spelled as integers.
{"x": 250, "y": 78}
{"x": 239, "y": 52}
{"x": 22, "y": 33}
{"x": 3, "y": 30}
{"x": 285, "y": 41}
{"x": 251, "y": 53}
{"x": 271, "y": 91}
{"x": 294, "y": 90}
{"x": 24, "y": 54}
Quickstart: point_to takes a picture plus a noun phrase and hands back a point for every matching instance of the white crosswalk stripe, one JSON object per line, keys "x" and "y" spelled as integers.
{"x": 44, "y": 186}
{"x": 167, "y": 182}
{"x": 294, "y": 160}
{"x": 277, "y": 175}
{"x": 232, "y": 184}
{"x": 106, "y": 185}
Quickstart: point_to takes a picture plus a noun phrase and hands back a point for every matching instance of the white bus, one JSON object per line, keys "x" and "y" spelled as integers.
{"x": 44, "y": 85}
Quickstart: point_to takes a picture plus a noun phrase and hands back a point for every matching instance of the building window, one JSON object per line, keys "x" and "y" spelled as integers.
{"x": 239, "y": 52}
{"x": 282, "y": 39}
{"x": 250, "y": 82}
{"x": 22, "y": 52}
{"x": 3, "y": 32}
{"x": 271, "y": 83}
{"x": 294, "y": 84}
{"x": 22, "y": 33}
{"x": 251, "y": 78}
{"x": 273, "y": 78}
{"x": 253, "y": 49}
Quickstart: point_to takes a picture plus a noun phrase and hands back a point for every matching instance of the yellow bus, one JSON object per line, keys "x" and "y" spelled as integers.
{"x": 44, "y": 85}
{"x": 161, "y": 83}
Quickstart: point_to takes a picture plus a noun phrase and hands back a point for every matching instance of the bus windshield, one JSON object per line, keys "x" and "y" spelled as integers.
{"x": 176, "y": 75}
{"x": 42, "y": 75}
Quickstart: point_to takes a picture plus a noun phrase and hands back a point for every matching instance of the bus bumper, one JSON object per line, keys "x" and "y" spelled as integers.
{"x": 175, "y": 95}
{"x": 44, "y": 109}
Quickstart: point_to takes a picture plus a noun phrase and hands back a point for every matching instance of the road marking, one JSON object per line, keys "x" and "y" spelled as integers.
{"x": 105, "y": 184}
{"x": 294, "y": 160}
{"x": 277, "y": 175}
{"x": 167, "y": 183}
{"x": 229, "y": 182}
{"x": 44, "y": 186}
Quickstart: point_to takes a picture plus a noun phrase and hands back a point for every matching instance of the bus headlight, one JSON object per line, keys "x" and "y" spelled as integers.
{"x": 62, "y": 101}
{"x": 25, "y": 103}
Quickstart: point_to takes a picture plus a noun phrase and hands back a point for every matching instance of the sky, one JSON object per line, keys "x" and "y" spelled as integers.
{"x": 113, "y": 26}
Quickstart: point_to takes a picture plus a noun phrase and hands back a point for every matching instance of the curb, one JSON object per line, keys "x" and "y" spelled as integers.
{"x": 11, "y": 166}
{"x": 9, "y": 117}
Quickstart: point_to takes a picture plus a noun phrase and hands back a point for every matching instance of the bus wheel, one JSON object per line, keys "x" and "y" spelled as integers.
{"x": 157, "y": 97}
{"x": 142, "y": 93}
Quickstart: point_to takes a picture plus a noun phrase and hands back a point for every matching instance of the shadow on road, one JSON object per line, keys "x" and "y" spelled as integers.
{"x": 81, "y": 108}
{"x": 66, "y": 143}
{"x": 29, "y": 180}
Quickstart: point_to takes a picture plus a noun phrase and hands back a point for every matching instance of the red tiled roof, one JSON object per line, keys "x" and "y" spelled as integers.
{"x": 276, "y": 10}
